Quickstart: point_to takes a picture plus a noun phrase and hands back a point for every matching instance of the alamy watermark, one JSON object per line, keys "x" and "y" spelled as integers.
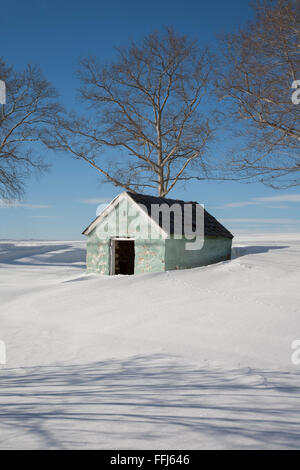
{"x": 180, "y": 221}
{"x": 296, "y": 94}
{"x": 295, "y": 357}
{"x": 2, "y": 353}
{"x": 2, "y": 92}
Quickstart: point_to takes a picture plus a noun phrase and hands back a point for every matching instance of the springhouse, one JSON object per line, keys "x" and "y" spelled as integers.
{"x": 120, "y": 242}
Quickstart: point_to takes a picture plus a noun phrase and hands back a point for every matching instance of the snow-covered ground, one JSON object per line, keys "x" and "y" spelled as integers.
{"x": 199, "y": 358}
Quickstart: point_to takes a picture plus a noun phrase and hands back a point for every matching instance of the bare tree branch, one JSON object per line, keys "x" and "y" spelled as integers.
{"x": 255, "y": 79}
{"x": 144, "y": 126}
{"x": 30, "y": 106}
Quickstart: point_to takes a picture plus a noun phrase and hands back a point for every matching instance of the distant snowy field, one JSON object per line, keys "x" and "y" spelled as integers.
{"x": 198, "y": 358}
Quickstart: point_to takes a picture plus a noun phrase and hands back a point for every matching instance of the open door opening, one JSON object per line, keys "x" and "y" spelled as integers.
{"x": 124, "y": 257}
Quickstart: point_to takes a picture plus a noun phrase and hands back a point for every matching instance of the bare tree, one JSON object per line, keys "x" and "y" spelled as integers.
{"x": 260, "y": 64}
{"x": 143, "y": 127}
{"x": 29, "y": 108}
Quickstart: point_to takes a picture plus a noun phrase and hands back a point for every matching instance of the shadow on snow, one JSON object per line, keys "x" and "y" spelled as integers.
{"x": 238, "y": 251}
{"x": 56, "y": 255}
{"x": 147, "y": 398}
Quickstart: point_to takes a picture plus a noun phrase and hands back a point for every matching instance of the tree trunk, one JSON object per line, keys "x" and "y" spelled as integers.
{"x": 161, "y": 186}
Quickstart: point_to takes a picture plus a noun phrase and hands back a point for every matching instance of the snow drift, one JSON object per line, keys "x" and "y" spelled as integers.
{"x": 197, "y": 358}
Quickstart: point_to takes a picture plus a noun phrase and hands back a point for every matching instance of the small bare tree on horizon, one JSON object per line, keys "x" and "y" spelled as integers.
{"x": 260, "y": 64}
{"x": 144, "y": 108}
{"x": 29, "y": 107}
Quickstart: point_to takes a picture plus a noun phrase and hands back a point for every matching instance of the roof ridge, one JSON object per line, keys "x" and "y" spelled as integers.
{"x": 160, "y": 197}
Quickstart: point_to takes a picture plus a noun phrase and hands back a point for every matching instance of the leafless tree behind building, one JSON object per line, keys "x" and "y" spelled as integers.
{"x": 144, "y": 127}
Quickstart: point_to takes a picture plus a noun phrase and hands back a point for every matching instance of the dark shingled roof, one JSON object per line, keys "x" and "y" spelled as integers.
{"x": 212, "y": 227}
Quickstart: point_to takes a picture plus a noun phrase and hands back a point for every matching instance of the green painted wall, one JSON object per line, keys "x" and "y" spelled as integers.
{"x": 214, "y": 249}
{"x": 97, "y": 255}
{"x": 149, "y": 256}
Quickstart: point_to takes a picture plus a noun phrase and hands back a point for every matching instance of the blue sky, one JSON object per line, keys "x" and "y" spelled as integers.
{"x": 54, "y": 34}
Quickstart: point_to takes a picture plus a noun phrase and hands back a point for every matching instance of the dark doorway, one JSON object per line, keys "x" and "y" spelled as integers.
{"x": 124, "y": 256}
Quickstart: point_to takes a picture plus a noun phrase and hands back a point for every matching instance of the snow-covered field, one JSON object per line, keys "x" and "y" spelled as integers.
{"x": 198, "y": 358}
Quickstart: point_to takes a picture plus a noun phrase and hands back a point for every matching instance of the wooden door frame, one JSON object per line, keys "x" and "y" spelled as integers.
{"x": 112, "y": 251}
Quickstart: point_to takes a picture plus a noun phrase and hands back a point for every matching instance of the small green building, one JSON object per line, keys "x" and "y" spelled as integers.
{"x": 126, "y": 238}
